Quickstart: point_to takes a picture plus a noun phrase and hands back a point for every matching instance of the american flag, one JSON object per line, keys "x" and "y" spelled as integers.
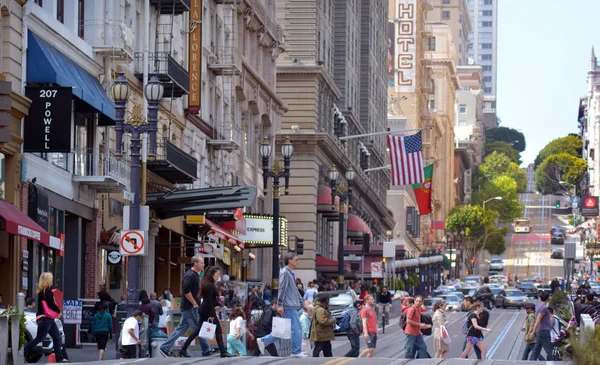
{"x": 406, "y": 155}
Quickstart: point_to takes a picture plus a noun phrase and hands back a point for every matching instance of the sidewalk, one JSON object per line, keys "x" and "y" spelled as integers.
{"x": 87, "y": 354}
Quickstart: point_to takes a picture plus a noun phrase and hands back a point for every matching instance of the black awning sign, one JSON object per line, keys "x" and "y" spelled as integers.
{"x": 48, "y": 125}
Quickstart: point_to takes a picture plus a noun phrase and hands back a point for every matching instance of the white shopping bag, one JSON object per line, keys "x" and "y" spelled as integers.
{"x": 282, "y": 327}
{"x": 445, "y": 335}
{"x": 207, "y": 331}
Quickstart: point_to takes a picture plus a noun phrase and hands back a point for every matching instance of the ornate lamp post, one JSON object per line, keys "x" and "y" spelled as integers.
{"x": 338, "y": 188}
{"x": 276, "y": 172}
{"x": 135, "y": 125}
{"x": 453, "y": 238}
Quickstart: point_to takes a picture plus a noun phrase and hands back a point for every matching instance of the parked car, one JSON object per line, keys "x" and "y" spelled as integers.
{"x": 461, "y": 297}
{"x": 340, "y": 301}
{"x": 484, "y": 294}
{"x": 429, "y": 302}
{"x": 511, "y": 298}
{"x": 453, "y": 303}
{"x": 492, "y": 273}
{"x": 528, "y": 288}
{"x": 496, "y": 264}
{"x": 472, "y": 280}
{"x": 557, "y": 253}
{"x": 47, "y": 346}
{"x": 557, "y": 238}
{"x": 543, "y": 287}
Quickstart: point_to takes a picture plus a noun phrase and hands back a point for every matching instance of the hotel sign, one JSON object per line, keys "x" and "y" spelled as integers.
{"x": 195, "y": 61}
{"x": 405, "y": 48}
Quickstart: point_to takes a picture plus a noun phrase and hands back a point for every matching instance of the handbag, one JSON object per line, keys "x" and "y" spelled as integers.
{"x": 445, "y": 335}
{"x": 208, "y": 330}
{"x": 49, "y": 313}
{"x": 281, "y": 328}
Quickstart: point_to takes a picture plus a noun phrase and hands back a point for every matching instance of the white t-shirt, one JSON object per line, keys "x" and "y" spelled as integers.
{"x": 130, "y": 323}
{"x": 235, "y": 324}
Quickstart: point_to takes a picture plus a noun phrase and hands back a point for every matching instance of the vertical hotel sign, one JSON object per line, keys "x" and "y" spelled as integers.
{"x": 195, "y": 48}
{"x": 405, "y": 46}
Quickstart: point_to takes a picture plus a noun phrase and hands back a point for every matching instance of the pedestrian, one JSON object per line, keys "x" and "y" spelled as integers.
{"x": 147, "y": 309}
{"x": 311, "y": 292}
{"x": 468, "y": 303}
{"x": 267, "y": 293}
{"x": 439, "y": 319}
{"x": 46, "y": 325}
{"x": 289, "y": 301}
{"x": 121, "y": 306}
{"x": 542, "y": 328}
{"x": 321, "y": 330}
{"x": 528, "y": 329}
{"x": 264, "y": 339}
{"x": 208, "y": 310}
{"x": 415, "y": 344}
{"x": 130, "y": 335}
{"x": 102, "y": 329}
{"x": 190, "y": 316}
{"x": 554, "y": 324}
{"x": 356, "y": 329}
{"x": 562, "y": 285}
{"x": 363, "y": 292}
{"x": 475, "y": 333}
{"x": 369, "y": 326}
{"x": 104, "y": 298}
{"x": 301, "y": 290}
{"x": 158, "y": 309}
{"x": 334, "y": 285}
{"x": 30, "y": 305}
{"x": 237, "y": 328}
{"x": 305, "y": 323}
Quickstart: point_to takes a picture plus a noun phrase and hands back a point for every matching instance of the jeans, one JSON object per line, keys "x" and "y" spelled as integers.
{"x": 189, "y": 319}
{"x": 294, "y": 315}
{"x": 477, "y": 350}
{"x": 542, "y": 339}
{"x": 355, "y": 346}
{"x": 415, "y": 345}
{"x": 233, "y": 345}
{"x": 46, "y": 326}
{"x": 324, "y": 346}
{"x": 528, "y": 348}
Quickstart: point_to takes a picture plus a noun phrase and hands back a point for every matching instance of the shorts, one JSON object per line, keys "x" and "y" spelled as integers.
{"x": 372, "y": 341}
{"x": 474, "y": 340}
{"x": 129, "y": 352}
{"x": 101, "y": 339}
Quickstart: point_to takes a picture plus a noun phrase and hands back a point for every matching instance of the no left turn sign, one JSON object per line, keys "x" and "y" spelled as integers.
{"x": 132, "y": 243}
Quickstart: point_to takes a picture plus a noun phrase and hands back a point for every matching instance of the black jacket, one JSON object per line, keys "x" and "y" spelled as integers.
{"x": 210, "y": 300}
{"x": 48, "y": 296}
{"x": 265, "y": 324}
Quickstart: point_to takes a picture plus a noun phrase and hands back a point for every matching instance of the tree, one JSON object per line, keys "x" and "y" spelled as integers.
{"x": 503, "y": 186}
{"x": 559, "y": 167}
{"x": 496, "y": 245}
{"x": 498, "y": 164}
{"x": 508, "y": 135}
{"x": 504, "y": 148}
{"x": 572, "y": 145}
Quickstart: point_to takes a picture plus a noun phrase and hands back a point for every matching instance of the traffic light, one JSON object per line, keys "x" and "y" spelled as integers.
{"x": 383, "y": 260}
{"x": 299, "y": 246}
{"x": 558, "y": 204}
{"x": 366, "y": 243}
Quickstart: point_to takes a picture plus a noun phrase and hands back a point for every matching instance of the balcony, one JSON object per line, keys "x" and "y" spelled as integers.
{"x": 228, "y": 61}
{"x": 175, "y": 7}
{"x": 109, "y": 38}
{"x": 101, "y": 172}
{"x": 489, "y": 110}
{"x": 173, "y": 164}
{"x": 175, "y": 78}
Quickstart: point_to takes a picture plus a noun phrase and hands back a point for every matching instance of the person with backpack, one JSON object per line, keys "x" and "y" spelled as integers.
{"x": 469, "y": 302}
{"x": 352, "y": 325}
{"x": 475, "y": 332}
{"x": 528, "y": 329}
{"x": 415, "y": 344}
{"x": 542, "y": 329}
{"x": 321, "y": 330}
{"x": 369, "y": 326}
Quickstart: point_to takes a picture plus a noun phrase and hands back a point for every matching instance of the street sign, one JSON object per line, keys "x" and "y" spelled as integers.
{"x": 590, "y": 206}
{"x": 128, "y": 195}
{"x": 195, "y": 219}
{"x": 132, "y": 243}
{"x": 114, "y": 257}
{"x": 352, "y": 258}
{"x": 376, "y": 270}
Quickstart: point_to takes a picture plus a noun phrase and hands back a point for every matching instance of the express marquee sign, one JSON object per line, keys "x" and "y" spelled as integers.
{"x": 259, "y": 231}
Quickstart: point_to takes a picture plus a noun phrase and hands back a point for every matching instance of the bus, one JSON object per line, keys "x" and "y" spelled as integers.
{"x": 522, "y": 225}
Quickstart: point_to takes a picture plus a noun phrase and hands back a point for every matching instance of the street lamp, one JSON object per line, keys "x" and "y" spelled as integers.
{"x": 135, "y": 125}
{"x": 490, "y": 199}
{"x": 338, "y": 188}
{"x": 453, "y": 238}
{"x": 276, "y": 172}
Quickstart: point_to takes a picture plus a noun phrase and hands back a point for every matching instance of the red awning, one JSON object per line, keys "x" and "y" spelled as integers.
{"x": 324, "y": 261}
{"x": 221, "y": 233}
{"x": 356, "y": 224}
{"x": 324, "y": 196}
{"x": 17, "y": 222}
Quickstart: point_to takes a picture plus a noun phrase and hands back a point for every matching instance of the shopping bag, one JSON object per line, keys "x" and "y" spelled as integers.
{"x": 282, "y": 327}
{"x": 445, "y": 335}
{"x": 207, "y": 331}
{"x": 48, "y": 312}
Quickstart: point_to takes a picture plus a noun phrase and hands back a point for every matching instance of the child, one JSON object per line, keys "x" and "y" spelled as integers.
{"x": 237, "y": 328}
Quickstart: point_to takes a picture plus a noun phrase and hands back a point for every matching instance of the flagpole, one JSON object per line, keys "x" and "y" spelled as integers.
{"x": 386, "y": 167}
{"x": 380, "y": 133}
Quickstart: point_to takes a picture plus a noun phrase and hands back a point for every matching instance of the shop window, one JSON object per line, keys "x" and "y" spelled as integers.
{"x": 60, "y": 11}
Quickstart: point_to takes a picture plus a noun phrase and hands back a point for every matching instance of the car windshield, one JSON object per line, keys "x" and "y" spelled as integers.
{"x": 527, "y": 284}
{"x": 450, "y": 298}
{"x": 496, "y": 261}
{"x": 514, "y": 293}
{"x": 496, "y": 291}
{"x": 343, "y": 299}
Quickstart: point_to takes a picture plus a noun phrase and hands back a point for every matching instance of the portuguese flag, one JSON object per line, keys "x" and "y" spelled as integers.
{"x": 423, "y": 191}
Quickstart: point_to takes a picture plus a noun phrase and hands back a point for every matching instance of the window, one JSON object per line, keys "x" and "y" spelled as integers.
{"x": 485, "y": 13}
{"x": 460, "y": 34}
{"x": 460, "y": 18}
{"x": 487, "y": 79}
{"x": 485, "y": 57}
{"x": 446, "y": 2}
{"x": 462, "y": 123}
{"x": 445, "y": 15}
{"x": 485, "y": 35}
{"x": 430, "y": 44}
{"x": 39, "y": 2}
{"x": 485, "y": 46}
{"x": 81, "y": 18}
{"x": 485, "y": 2}
{"x": 460, "y": 48}
{"x": 487, "y": 67}
{"x": 60, "y": 11}
{"x": 485, "y": 24}
{"x": 249, "y": 136}
{"x": 462, "y": 109}
{"x": 487, "y": 90}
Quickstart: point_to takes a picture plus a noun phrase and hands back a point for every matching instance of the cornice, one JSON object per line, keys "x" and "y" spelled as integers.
{"x": 265, "y": 87}
{"x": 310, "y": 70}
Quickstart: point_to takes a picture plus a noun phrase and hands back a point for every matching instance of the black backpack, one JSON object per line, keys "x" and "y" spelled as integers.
{"x": 484, "y": 318}
{"x": 426, "y": 318}
{"x": 403, "y": 320}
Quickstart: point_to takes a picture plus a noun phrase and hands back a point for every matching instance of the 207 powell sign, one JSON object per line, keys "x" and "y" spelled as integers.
{"x": 49, "y": 120}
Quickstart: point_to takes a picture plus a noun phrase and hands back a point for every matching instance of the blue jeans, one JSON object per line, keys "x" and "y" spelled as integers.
{"x": 354, "y": 344}
{"x": 528, "y": 348}
{"x": 46, "y": 326}
{"x": 189, "y": 319}
{"x": 233, "y": 345}
{"x": 477, "y": 350}
{"x": 294, "y": 315}
{"x": 415, "y": 345}
{"x": 542, "y": 339}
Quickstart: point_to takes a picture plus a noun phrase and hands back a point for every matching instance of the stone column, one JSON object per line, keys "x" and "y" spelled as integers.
{"x": 148, "y": 262}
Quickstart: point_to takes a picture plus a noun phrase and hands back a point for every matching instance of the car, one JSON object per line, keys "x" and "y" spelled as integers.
{"x": 453, "y": 303}
{"x": 543, "y": 287}
{"x": 496, "y": 264}
{"x": 429, "y": 302}
{"x": 47, "y": 346}
{"x": 511, "y": 298}
{"x": 496, "y": 291}
{"x": 468, "y": 291}
{"x": 557, "y": 253}
{"x": 498, "y": 279}
{"x": 557, "y": 238}
{"x": 528, "y": 288}
{"x": 340, "y": 301}
{"x": 472, "y": 280}
{"x": 484, "y": 294}
{"x": 492, "y": 273}
{"x": 461, "y": 297}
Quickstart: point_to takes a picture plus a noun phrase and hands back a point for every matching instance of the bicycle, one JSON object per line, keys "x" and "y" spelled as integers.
{"x": 384, "y": 315}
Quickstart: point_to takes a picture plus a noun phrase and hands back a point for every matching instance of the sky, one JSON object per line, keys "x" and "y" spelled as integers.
{"x": 543, "y": 57}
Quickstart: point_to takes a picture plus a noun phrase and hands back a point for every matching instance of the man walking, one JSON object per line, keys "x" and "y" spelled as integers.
{"x": 369, "y": 325}
{"x": 289, "y": 301}
{"x": 190, "y": 317}
{"x": 356, "y": 329}
{"x": 542, "y": 329}
{"x": 415, "y": 344}
{"x": 529, "y": 323}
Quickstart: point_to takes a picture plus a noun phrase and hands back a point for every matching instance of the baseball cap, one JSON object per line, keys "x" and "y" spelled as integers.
{"x": 528, "y": 305}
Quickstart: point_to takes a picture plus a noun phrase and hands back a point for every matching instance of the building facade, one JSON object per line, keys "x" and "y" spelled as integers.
{"x": 454, "y": 13}
{"x": 469, "y": 118}
{"x": 589, "y": 111}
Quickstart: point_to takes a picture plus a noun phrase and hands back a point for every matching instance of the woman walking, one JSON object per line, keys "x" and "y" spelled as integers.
{"x": 102, "y": 328}
{"x": 237, "y": 328}
{"x": 305, "y": 323}
{"x": 475, "y": 334}
{"x": 47, "y": 311}
{"x": 208, "y": 310}
{"x": 439, "y": 319}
